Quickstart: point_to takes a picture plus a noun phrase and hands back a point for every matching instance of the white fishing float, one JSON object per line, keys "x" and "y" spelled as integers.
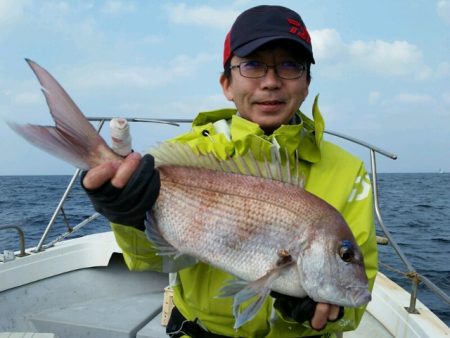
{"x": 120, "y": 136}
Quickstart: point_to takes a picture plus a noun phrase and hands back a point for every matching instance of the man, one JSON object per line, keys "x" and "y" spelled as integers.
{"x": 267, "y": 58}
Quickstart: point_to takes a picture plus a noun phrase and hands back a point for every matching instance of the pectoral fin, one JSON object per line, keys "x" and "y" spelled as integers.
{"x": 244, "y": 291}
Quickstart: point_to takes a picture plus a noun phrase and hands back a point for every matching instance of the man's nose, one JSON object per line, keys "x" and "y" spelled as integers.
{"x": 271, "y": 79}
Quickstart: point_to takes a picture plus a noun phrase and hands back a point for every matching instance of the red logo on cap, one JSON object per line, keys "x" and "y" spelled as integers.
{"x": 299, "y": 30}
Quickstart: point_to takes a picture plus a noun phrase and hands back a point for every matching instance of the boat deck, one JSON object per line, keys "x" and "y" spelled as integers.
{"x": 84, "y": 303}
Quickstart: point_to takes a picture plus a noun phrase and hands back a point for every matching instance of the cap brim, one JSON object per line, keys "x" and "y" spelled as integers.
{"x": 250, "y": 47}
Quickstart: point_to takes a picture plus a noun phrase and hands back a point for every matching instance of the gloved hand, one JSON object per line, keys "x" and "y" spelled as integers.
{"x": 299, "y": 309}
{"x": 129, "y": 205}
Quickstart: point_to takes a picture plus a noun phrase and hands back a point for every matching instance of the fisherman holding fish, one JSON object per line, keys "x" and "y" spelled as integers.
{"x": 311, "y": 246}
{"x": 267, "y": 58}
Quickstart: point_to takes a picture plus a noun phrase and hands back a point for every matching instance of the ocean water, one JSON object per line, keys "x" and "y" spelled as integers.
{"x": 415, "y": 208}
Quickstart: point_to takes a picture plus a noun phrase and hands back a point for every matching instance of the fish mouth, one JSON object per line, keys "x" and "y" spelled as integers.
{"x": 361, "y": 297}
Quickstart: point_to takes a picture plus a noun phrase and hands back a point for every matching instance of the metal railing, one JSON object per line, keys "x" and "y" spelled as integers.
{"x": 21, "y": 237}
{"x": 412, "y": 274}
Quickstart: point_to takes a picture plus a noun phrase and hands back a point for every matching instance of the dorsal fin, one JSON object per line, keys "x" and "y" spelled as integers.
{"x": 180, "y": 154}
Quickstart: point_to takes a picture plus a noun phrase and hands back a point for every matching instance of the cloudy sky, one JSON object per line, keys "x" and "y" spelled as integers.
{"x": 382, "y": 70}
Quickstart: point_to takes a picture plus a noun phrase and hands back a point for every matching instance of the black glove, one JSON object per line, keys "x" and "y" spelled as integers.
{"x": 128, "y": 205}
{"x": 298, "y": 309}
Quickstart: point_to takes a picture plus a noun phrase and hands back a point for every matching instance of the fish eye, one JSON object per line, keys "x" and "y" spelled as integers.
{"x": 346, "y": 251}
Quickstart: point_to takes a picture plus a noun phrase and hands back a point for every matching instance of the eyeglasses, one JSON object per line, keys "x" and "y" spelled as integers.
{"x": 287, "y": 70}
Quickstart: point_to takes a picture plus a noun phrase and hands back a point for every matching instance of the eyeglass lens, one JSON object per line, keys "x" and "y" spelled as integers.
{"x": 285, "y": 70}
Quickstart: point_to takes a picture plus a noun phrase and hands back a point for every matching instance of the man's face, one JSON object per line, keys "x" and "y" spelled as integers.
{"x": 269, "y": 101}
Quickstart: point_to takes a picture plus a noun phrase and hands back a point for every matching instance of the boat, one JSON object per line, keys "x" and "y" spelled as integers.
{"x": 81, "y": 287}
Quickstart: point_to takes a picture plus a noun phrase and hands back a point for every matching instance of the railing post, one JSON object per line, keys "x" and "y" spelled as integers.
{"x": 21, "y": 237}
{"x": 409, "y": 266}
{"x": 412, "y": 300}
{"x": 61, "y": 202}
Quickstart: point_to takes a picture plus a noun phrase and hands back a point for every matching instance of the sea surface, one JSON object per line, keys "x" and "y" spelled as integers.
{"x": 415, "y": 208}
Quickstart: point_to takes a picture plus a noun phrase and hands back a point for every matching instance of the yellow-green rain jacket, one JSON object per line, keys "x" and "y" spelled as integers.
{"x": 331, "y": 174}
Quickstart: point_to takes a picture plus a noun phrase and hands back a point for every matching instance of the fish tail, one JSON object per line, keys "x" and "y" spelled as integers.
{"x": 73, "y": 138}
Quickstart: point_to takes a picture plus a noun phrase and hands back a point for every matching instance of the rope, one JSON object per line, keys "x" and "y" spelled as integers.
{"x": 417, "y": 278}
{"x": 412, "y": 275}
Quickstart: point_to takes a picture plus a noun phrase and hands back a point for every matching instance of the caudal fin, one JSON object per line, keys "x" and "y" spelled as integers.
{"x": 73, "y": 138}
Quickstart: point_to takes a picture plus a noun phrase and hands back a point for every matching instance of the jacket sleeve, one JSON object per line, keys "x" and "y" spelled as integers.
{"x": 139, "y": 253}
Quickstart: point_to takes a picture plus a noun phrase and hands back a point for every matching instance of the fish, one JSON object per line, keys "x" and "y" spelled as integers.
{"x": 250, "y": 218}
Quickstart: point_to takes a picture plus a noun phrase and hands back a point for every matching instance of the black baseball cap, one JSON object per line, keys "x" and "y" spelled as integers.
{"x": 262, "y": 24}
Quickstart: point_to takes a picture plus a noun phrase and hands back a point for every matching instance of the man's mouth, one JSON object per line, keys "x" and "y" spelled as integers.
{"x": 270, "y": 103}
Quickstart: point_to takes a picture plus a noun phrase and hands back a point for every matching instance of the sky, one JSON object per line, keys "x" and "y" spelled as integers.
{"x": 382, "y": 71}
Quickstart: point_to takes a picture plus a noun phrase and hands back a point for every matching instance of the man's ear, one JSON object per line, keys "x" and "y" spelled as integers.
{"x": 225, "y": 82}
